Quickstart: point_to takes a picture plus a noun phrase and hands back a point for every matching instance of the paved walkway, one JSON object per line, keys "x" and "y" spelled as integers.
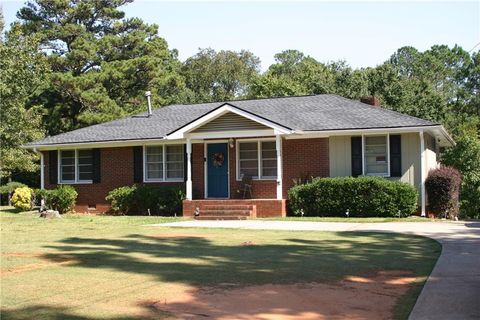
{"x": 453, "y": 289}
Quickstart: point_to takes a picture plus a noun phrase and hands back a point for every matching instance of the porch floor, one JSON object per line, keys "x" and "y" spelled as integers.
{"x": 234, "y": 209}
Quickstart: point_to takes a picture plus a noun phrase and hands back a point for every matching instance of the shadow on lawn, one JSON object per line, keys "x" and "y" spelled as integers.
{"x": 201, "y": 261}
{"x": 61, "y": 313}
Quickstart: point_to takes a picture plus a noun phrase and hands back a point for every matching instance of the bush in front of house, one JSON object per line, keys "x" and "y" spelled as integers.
{"x": 22, "y": 198}
{"x": 361, "y": 197}
{"x": 62, "y": 198}
{"x": 132, "y": 200}
{"x": 443, "y": 189}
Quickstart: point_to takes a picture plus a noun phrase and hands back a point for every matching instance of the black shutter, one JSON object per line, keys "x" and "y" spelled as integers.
{"x": 357, "y": 163}
{"x": 395, "y": 156}
{"x": 137, "y": 164}
{"x": 96, "y": 166}
{"x": 185, "y": 162}
{"x": 53, "y": 166}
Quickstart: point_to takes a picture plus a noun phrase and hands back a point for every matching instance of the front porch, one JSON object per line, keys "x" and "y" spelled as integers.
{"x": 234, "y": 209}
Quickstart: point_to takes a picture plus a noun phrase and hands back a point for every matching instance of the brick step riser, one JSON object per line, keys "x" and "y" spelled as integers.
{"x": 224, "y": 212}
{"x": 220, "y": 218}
{"x": 226, "y": 207}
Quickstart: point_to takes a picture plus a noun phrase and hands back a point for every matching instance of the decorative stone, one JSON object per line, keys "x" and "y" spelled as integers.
{"x": 50, "y": 214}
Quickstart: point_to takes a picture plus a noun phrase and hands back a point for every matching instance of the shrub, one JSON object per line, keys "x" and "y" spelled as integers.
{"x": 22, "y": 198}
{"x": 62, "y": 199}
{"x": 122, "y": 199}
{"x": 164, "y": 200}
{"x": 361, "y": 197}
{"x": 443, "y": 188}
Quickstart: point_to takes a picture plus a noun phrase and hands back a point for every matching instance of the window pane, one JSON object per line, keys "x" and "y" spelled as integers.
{"x": 155, "y": 171}
{"x": 154, "y": 162}
{"x": 85, "y": 165}
{"x": 269, "y": 159}
{"x": 154, "y": 158}
{"x": 67, "y": 157}
{"x": 269, "y": 172}
{"x": 376, "y": 155}
{"x": 85, "y": 176}
{"x": 175, "y": 156}
{"x": 67, "y": 173}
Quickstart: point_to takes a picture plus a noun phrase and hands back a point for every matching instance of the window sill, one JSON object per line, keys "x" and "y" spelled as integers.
{"x": 262, "y": 179}
{"x": 163, "y": 181}
{"x": 76, "y": 182}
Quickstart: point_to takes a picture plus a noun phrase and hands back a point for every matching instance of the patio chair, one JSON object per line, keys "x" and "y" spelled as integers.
{"x": 245, "y": 186}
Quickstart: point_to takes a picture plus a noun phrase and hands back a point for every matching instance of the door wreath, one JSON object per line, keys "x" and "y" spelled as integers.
{"x": 218, "y": 159}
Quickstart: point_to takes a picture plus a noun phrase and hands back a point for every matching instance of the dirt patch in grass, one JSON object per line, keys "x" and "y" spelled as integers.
{"x": 52, "y": 261}
{"x": 370, "y": 297}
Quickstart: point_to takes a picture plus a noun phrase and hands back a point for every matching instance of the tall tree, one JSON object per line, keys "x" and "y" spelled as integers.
{"x": 220, "y": 76}
{"x": 101, "y": 62}
{"x": 22, "y": 71}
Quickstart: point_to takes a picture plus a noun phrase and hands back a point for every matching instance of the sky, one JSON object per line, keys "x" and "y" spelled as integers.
{"x": 364, "y": 34}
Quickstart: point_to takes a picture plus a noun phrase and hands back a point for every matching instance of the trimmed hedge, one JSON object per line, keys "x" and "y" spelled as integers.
{"x": 443, "y": 189}
{"x": 361, "y": 197}
{"x": 138, "y": 200}
{"x": 62, "y": 198}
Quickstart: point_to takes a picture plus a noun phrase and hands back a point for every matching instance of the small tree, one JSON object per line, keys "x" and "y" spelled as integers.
{"x": 443, "y": 188}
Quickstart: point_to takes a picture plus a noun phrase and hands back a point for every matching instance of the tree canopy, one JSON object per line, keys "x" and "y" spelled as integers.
{"x": 66, "y": 64}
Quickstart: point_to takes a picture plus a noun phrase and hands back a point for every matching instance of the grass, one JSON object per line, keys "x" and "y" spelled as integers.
{"x": 356, "y": 220}
{"x": 100, "y": 267}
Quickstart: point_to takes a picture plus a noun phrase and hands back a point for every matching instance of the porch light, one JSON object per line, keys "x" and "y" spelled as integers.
{"x": 231, "y": 143}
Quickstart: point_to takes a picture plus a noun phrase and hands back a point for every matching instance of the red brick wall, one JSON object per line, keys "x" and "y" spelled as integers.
{"x": 116, "y": 171}
{"x": 300, "y": 157}
{"x": 304, "y": 157}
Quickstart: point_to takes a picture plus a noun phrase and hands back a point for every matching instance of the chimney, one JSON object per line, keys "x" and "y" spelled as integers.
{"x": 149, "y": 105}
{"x": 371, "y": 100}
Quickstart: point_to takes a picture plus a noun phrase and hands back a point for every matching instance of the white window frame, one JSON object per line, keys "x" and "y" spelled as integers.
{"x": 164, "y": 161}
{"x": 364, "y": 157}
{"x": 259, "y": 153}
{"x": 59, "y": 172}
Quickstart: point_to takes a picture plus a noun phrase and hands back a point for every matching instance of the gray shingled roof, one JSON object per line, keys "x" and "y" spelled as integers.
{"x": 306, "y": 113}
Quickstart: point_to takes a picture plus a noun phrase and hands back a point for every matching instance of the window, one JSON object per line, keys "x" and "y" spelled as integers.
{"x": 376, "y": 155}
{"x": 257, "y": 159}
{"x": 164, "y": 163}
{"x": 154, "y": 163}
{"x": 76, "y": 166}
{"x": 175, "y": 162}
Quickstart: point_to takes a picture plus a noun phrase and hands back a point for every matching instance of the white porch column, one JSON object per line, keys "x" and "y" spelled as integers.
{"x": 279, "y": 166}
{"x": 189, "y": 169}
{"x": 42, "y": 171}
{"x": 422, "y": 172}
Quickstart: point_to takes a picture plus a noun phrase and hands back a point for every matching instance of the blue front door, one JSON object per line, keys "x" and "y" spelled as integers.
{"x": 217, "y": 170}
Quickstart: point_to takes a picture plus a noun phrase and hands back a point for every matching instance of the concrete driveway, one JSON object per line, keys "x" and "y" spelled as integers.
{"x": 453, "y": 289}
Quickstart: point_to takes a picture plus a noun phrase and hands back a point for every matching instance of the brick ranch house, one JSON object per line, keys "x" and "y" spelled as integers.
{"x": 208, "y": 148}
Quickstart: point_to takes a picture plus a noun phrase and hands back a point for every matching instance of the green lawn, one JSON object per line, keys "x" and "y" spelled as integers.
{"x": 97, "y": 267}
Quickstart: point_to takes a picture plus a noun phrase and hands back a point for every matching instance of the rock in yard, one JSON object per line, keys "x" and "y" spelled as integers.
{"x": 50, "y": 214}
